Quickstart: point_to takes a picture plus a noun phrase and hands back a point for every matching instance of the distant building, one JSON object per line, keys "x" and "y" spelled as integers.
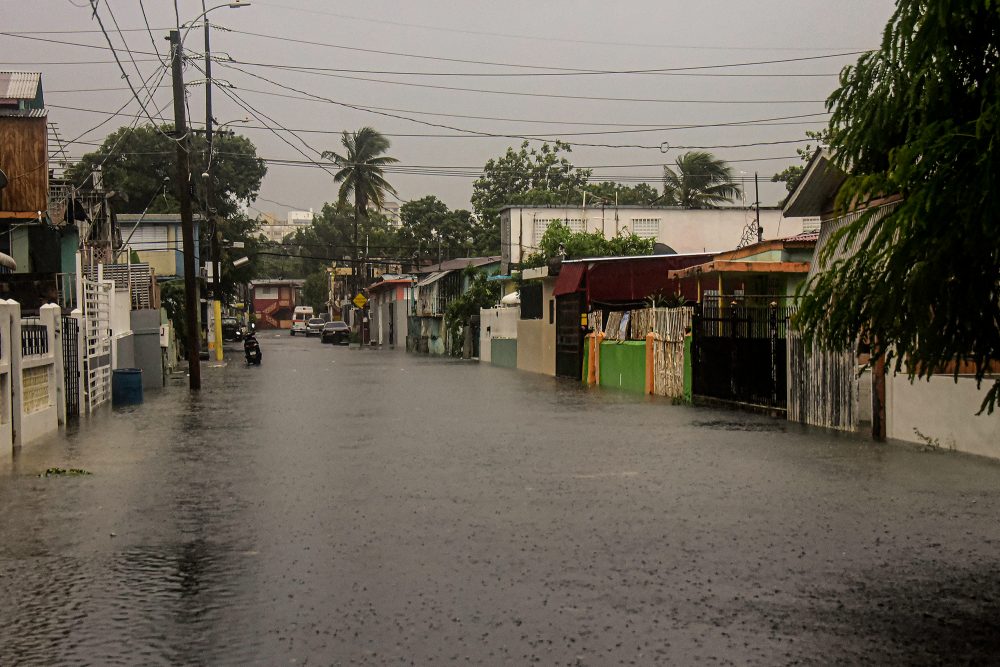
{"x": 156, "y": 239}
{"x": 390, "y": 210}
{"x": 276, "y": 229}
{"x": 274, "y": 302}
{"x": 681, "y": 230}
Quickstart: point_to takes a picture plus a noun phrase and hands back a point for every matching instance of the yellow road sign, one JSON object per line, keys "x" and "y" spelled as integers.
{"x": 360, "y": 300}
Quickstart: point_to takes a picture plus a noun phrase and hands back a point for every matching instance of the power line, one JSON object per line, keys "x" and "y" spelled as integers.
{"x": 548, "y": 38}
{"x": 466, "y": 61}
{"x": 538, "y": 136}
{"x": 657, "y": 72}
{"x": 443, "y": 126}
{"x": 776, "y": 120}
{"x": 516, "y": 93}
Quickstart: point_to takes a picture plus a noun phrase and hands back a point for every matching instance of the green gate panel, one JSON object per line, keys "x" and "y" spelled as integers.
{"x": 623, "y": 365}
{"x": 503, "y": 352}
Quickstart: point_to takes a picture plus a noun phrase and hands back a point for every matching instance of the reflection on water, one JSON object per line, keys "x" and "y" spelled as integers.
{"x": 345, "y": 506}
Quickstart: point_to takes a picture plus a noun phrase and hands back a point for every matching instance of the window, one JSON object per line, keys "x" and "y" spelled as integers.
{"x": 646, "y": 228}
{"x": 148, "y": 237}
{"x": 540, "y": 227}
{"x": 270, "y": 292}
{"x": 531, "y": 301}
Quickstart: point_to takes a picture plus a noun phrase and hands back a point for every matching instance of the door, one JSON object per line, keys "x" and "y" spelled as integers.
{"x": 569, "y": 335}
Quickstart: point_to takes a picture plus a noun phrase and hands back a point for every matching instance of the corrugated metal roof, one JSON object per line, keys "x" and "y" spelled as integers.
{"x": 23, "y": 113}
{"x": 433, "y": 278}
{"x": 19, "y": 85}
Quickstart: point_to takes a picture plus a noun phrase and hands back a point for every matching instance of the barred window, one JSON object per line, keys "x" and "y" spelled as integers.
{"x": 646, "y": 228}
{"x": 540, "y": 227}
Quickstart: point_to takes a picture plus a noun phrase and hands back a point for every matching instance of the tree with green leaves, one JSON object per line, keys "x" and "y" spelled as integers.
{"x": 526, "y": 176}
{"x": 559, "y": 240}
{"x": 141, "y": 163}
{"x": 481, "y": 293}
{"x": 699, "y": 180}
{"x": 919, "y": 118}
{"x": 607, "y": 193}
{"x": 427, "y": 224}
{"x": 361, "y": 175}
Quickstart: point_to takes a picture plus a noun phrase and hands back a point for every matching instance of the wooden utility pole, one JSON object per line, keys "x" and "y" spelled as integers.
{"x": 187, "y": 220}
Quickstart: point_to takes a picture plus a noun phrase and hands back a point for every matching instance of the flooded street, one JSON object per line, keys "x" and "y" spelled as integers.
{"x": 343, "y": 506}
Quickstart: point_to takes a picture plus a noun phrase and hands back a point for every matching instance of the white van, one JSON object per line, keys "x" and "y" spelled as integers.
{"x": 299, "y": 319}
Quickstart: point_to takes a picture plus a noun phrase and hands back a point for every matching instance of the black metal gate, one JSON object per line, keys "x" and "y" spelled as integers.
{"x": 569, "y": 335}
{"x": 71, "y": 364}
{"x": 738, "y": 354}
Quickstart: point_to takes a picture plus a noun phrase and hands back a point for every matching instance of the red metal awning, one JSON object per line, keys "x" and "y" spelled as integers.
{"x": 570, "y": 279}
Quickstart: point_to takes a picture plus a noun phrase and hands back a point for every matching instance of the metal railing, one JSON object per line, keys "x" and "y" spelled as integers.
{"x": 34, "y": 339}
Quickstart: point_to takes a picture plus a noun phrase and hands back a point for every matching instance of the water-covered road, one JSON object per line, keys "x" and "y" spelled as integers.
{"x": 341, "y": 506}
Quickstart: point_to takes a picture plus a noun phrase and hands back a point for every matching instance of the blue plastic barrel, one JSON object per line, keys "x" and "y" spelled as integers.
{"x": 126, "y": 386}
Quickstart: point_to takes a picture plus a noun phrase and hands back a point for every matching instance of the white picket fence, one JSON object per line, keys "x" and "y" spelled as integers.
{"x": 97, "y": 341}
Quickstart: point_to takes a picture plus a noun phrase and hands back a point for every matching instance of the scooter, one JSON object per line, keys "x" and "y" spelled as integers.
{"x": 251, "y": 349}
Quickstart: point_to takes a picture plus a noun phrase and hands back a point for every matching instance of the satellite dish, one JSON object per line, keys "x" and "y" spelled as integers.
{"x": 3, "y": 180}
{"x": 663, "y": 249}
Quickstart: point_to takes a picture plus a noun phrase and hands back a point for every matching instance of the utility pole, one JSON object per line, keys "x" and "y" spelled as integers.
{"x": 187, "y": 221}
{"x": 216, "y": 334}
{"x": 756, "y": 196}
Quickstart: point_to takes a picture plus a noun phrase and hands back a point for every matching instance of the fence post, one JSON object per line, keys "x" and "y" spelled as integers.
{"x": 81, "y": 352}
{"x": 51, "y": 316}
{"x": 773, "y": 330}
{"x": 16, "y": 374}
{"x": 650, "y": 366}
{"x": 6, "y": 356}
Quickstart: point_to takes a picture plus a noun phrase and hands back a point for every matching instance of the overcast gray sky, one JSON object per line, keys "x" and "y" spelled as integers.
{"x": 518, "y": 37}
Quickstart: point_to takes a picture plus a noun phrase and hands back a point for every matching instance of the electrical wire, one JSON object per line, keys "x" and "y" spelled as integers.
{"x": 401, "y": 54}
{"x": 443, "y": 126}
{"x": 517, "y": 93}
{"x": 653, "y": 72}
{"x": 548, "y": 38}
{"x": 100, "y": 22}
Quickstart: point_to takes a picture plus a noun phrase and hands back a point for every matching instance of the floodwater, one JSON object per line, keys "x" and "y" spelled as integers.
{"x": 343, "y": 506}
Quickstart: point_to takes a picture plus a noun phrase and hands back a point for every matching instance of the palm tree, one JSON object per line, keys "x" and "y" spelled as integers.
{"x": 361, "y": 173}
{"x": 700, "y": 181}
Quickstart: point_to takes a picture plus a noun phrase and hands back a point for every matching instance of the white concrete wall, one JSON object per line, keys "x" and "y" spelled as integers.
{"x": 495, "y": 323}
{"x": 943, "y": 411}
{"x": 30, "y": 424}
{"x": 9, "y": 312}
{"x": 684, "y": 230}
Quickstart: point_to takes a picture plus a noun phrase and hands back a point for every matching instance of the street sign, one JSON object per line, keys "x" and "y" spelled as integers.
{"x": 360, "y": 300}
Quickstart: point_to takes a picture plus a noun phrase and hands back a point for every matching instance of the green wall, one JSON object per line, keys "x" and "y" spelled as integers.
{"x": 623, "y": 365}
{"x": 503, "y": 352}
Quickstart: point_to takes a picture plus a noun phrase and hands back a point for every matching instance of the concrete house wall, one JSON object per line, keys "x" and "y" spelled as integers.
{"x": 684, "y": 230}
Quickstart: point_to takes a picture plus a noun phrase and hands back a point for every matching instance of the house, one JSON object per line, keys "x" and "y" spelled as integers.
{"x": 757, "y": 273}
{"x": 681, "y": 230}
{"x": 40, "y": 241}
{"x": 836, "y": 389}
{"x": 389, "y": 305}
{"x": 436, "y": 287}
{"x": 274, "y": 302}
{"x": 157, "y": 239}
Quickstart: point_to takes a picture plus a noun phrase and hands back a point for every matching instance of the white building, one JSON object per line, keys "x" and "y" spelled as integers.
{"x": 390, "y": 209}
{"x": 683, "y": 230}
{"x": 275, "y": 229}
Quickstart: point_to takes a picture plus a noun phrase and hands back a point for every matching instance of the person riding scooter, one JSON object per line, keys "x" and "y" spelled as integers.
{"x": 251, "y": 349}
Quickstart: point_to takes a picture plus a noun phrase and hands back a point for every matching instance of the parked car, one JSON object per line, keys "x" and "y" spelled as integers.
{"x": 337, "y": 333}
{"x": 231, "y": 329}
{"x": 314, "y": 327}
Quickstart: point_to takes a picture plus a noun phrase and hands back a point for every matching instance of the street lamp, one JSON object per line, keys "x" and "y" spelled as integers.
{"x": 191, "y": 299}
